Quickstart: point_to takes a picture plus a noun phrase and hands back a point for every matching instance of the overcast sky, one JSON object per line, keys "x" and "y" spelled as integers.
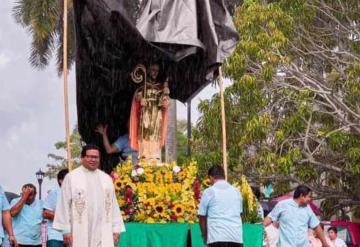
{"x": 31, "y": 107}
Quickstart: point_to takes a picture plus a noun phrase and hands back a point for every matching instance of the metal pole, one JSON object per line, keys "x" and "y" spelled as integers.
{"x": 223, "y": 123}
{"x": 40, "y": 182}
{"x": 65, "y": 75}
{"x": 188, "y": 103}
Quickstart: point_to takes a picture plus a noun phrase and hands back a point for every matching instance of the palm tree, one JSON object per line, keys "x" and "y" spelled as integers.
{"x": 43, "y": 19}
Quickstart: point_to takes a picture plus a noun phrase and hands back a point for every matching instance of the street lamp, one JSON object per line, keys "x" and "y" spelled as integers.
{"x": 40, "y": 177}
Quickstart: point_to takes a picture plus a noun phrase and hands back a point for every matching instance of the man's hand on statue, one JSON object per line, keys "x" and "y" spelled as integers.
{"x": 68, "y": 239}
{"x": 116, "y": 237}
{"x": 101, "y": 129}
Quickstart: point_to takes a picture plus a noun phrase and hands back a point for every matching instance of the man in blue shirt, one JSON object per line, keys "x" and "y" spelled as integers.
{"x": 27, "y": 217}
{"x": 5, "y": 220}
{"x": 220, "y": 212}
{"x": 296, "y": 217}
{"x": 121, "y": 145}
{"x": 54, "y": 237}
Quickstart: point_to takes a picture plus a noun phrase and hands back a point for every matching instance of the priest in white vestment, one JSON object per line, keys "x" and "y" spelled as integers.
{"x": 87, "y": 212}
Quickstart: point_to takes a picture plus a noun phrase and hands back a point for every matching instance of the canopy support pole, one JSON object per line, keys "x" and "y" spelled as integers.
{"x": 223, "y": 123}
{"x": 65, "y": 75}
{"x": 188, "y": 104}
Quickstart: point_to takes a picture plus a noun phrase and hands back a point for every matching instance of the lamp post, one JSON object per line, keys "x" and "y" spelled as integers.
{"x": 40, "y": 177}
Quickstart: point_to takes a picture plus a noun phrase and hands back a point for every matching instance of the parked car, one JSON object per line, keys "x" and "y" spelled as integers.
{"x": 347, "y": 231}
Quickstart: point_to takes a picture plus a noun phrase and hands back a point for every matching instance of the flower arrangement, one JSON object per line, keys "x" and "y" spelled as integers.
{"x": 250, "y": 204}
{"x": 157, "y": 193}
{"x": 162, "y": 193}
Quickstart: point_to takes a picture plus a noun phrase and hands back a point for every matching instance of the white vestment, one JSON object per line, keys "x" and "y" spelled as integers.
{"x": 88, "y": 209}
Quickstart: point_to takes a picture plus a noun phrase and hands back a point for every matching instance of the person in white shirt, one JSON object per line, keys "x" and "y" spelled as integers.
{"x": 87, "y": 212}
{"x": 272, "y": 234}
{"x": 338, "y": 242}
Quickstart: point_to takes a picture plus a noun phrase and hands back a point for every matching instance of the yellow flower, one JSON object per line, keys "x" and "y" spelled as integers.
{"x": 149, "y": 220}
{"x": 178, "y": 210}
{"x": 159, "y": 198}
{"x": 181, "y": 175}
{"x": 168, "y": 177}
{"x": 118, "y": 184}
{"x": 132, "y": 185}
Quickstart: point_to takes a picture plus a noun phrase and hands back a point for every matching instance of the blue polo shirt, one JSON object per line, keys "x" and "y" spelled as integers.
{"x": 222, "y": 206}
{"x": 4, "y": 206}
{"x": 123, "y": 145}
{"x": 50, "y": 204}
{"x": 27, "y": 224}
{"x": 294, "y": 223}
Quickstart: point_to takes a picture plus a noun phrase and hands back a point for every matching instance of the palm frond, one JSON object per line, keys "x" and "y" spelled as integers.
{"x": 22, "y": 12}
{"x": 71, "y": 43}
{"x": 41, "y": 50}
{"x": 44, "y": 17}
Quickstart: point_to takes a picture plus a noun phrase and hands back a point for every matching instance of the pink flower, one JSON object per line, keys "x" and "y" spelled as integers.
{"x": 114, "y": 175}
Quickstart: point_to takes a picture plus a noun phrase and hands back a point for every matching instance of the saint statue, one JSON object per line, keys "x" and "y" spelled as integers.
{"x": 149, "y": 113}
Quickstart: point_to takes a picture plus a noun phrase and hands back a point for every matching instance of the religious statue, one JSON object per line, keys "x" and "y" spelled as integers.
{"x": 149, "y": 113}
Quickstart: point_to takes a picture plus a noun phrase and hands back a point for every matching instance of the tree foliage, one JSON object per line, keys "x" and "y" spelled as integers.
{"x": 43, "y": 19}
{"x": 58, "y": 161}
{"x": 293, "y": 110}
{"x": 182, "y": 142}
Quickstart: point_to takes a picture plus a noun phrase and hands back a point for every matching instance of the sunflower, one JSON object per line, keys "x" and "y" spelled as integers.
{"x": 159, "y": 208}
{"x": 178, "y": 210}
{"x": 118, "y": 184}
{"x": 181, "y": 175}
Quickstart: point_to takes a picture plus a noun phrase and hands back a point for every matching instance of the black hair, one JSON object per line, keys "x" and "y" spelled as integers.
{"x": 89, "y": 147}
{"x": 216, "y": 171}
{"x": 332, "y": 228}
{"x": 256, "y": 191}
{"x": 301, "y": 190}
{"x": 61, "y": 174}
{"x": 29, "y": 185}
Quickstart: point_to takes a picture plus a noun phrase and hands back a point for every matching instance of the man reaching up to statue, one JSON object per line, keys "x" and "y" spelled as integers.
{"x": 121, "y": 145}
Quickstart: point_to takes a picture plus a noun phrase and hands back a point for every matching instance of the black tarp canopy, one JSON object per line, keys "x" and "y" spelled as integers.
{"x": 189, "y": 39}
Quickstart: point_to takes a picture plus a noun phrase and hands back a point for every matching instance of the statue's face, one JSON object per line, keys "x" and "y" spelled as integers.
{"x": 154, "y": 71}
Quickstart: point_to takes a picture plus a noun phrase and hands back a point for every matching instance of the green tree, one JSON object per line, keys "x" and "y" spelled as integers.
{"x": 182, "y": 142}
{"x": 43, "y": 19}
{"x": 293, "y": 113}
{"x": 58, "y": 161}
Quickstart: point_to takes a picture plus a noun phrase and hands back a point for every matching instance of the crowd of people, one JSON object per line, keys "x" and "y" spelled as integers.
{"x": 83, "y": 212}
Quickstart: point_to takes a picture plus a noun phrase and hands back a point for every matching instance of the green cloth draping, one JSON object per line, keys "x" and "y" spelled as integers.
{"x": 176, "y": 235}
